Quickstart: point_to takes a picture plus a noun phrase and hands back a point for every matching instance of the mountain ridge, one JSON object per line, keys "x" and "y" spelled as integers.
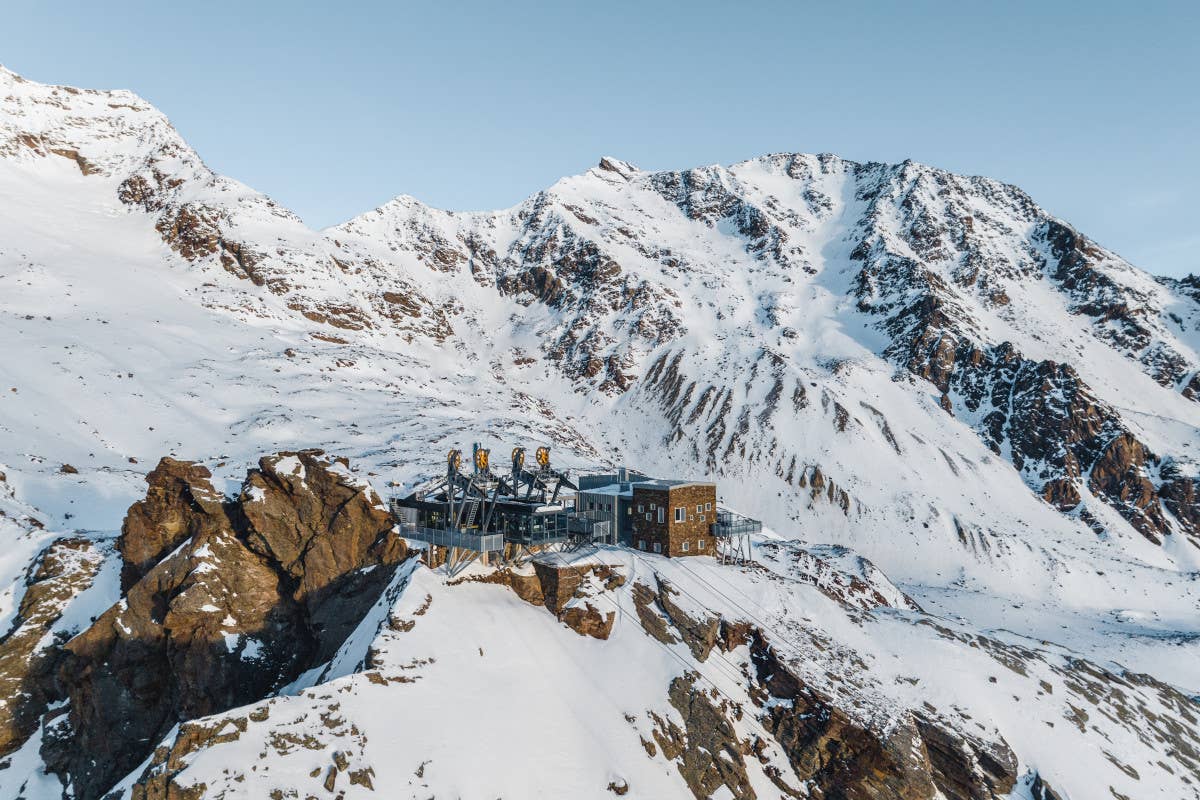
{"x": 925, "y": 368}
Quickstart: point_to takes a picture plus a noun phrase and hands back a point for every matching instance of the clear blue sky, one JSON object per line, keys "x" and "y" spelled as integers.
{"x": 1094, "y": 108}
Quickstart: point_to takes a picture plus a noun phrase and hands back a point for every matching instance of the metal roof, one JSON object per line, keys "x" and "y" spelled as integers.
{"x": 626, "y": 489}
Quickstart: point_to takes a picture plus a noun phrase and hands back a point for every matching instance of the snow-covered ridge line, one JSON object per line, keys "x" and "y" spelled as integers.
{"x": 956, "y": 401}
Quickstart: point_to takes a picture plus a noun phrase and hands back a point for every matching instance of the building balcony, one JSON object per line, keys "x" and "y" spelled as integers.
{"x": 731, "y": 524}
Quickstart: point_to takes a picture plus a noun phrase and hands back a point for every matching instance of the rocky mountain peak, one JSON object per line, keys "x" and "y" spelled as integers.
{"x": 615, "y": 165}
{"x": 105, "y": 132}
{"x": 970, "y": 426}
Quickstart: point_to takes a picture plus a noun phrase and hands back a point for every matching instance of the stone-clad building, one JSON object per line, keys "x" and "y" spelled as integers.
{"x": 669, "y": 517}
{"x": 674, "y": 517}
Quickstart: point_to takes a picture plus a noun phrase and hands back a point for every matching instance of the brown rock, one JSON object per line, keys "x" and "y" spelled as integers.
{"x": 588, "y": 620}
{"x": 914, "y": 758}
{"x": 556, "y": 586}
{"x": 251, "y": 593}
{"x": 325, "y": 528}
{"x": 1062, "y": 493}
{"x": 707, "y": 751}
{"x": 1180, "y": 494}
{"x": 964, "y": 767}
{"x": 27, "y": 662}
{"x": 180, "y": 503}
{"x": 157, "y": 781}
{"x": 1120, "y": 475}
{"x": 700, "y": 634}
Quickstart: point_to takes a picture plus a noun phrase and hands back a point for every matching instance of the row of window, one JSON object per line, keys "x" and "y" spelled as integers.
{"x": 680, "y": 511}
{"x": 684, "y": 547}
{"x": 700, "y": 509}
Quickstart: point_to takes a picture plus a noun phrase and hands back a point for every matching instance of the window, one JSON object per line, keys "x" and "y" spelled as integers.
{"x": 658, "y": 547}
{"x": 647, "y": 516}
{"x": 700, "y": 545}
{"x": 591, "y": 505}
{"x": 662, "y": 517}
{"x": 702, "y": 518}
{"x": 629, "y": 511}
{"x": 652, "y": 506}
{"x": 641, "y": 544}
{"x": 699, "y": 509}
{"x": 680, "y": 514}
{"x": 641, "y": 508}
{"x": 683, "y": 548}
{"x": 708, "y": 506}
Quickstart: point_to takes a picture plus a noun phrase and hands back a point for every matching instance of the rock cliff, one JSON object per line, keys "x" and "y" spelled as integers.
{"x": 223, "y": 601}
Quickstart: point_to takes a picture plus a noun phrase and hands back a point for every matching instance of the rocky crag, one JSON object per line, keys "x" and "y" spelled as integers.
{"x": 223, "y": 600}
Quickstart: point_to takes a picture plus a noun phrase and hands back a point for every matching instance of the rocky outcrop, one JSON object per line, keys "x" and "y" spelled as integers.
{"x": 913, "y": 757}
{"x": 1180, "y": 492}
{"x": 180, "y": 504}
{"x": 1124, "y": 315}
{"x": 30, "y": 652}
{"x": 566, "y": 590}
{"x": 1120, "y": 476}
{"x": 840, "y": 573}
{"x": 1047, "y": 421}
{"x": 700, "y": 631}
{"x": 964, "y": 767}
{"x": 157, "y": 779}
{"x": 326, "y": 531}
{"x": 832, "y": 750}
{"x": 706, "y": 750}
{"x": 262, "y": 588}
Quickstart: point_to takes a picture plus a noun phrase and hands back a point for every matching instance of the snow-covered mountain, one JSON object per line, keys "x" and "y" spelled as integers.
{"x": 916, "y": 379}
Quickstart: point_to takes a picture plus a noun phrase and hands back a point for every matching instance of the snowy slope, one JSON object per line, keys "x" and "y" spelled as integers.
{"x": 926, "y": 368}
{"x": 538, "y": 709}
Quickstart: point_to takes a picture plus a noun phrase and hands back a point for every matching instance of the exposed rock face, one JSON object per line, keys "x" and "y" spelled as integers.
{"x": 706, "y": 751}
{"x": 839, "y": 573}
{"x": 699, "y": 632}
{"x": 1049, "y": 424}
{"x": 156, "y": 780}
{"x": 256, "y": 591}
{"x": 964, "y": 767}
{"x": 916, "y": 757}
{"x": 27, "y": 659}
{"x": 834, "y": 753}
{"x": 180, "y": 503}
{"x": 565, "y": 589}
{"x": 326, "y": 531}
{"x": 1120, "y": 475}
{"x": 1180, "y": 492}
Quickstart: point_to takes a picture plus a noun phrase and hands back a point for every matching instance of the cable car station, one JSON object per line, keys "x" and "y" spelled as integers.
{"x": 480, "y": 514}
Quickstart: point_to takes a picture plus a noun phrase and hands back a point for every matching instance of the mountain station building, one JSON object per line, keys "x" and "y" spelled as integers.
{"x": 671, "y": 517}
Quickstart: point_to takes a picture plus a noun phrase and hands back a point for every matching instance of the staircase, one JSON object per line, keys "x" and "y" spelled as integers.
{"x": 472, "y": 512}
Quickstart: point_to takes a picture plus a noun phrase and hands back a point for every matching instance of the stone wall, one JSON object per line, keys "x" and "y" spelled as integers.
{"x": 694, "y": 531}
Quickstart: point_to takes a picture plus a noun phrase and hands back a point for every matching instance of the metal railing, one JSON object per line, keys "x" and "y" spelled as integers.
{"x": 467, "y": 540}
{"x": 551, "y": 528}
{"x": 730, "y": 524}
{"x": 591, "y": 526}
